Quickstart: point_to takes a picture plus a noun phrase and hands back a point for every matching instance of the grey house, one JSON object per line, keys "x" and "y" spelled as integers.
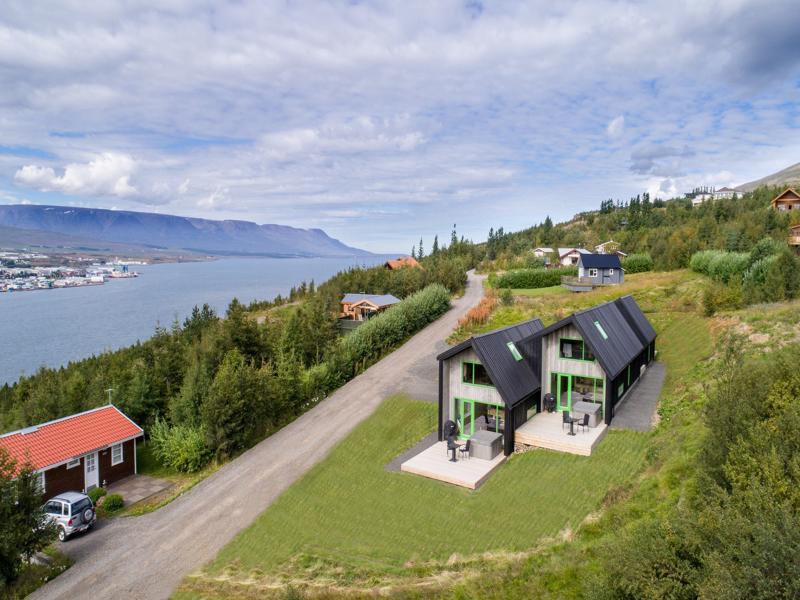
{"x": 595, "y": 355}
{"x": 600, "y": 269}
{"x": 491, "y": 382}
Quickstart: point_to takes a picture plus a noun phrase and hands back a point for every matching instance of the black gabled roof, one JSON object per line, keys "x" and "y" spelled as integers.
{"x": 628, "y": 330}
{"x": 514, "y": 379}
{"x": 600, "y": 261}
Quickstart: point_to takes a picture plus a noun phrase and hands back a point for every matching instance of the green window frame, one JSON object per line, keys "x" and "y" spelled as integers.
{"x": 514, "y": 352}
{"x": 465, "y": 433}
{"x": 556, "y": 389}
{"x": 468, "y": 370}
{"x": 586, "y": 354}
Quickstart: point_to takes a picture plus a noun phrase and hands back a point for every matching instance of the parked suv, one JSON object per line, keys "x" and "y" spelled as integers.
{"x": 71, "y": 512}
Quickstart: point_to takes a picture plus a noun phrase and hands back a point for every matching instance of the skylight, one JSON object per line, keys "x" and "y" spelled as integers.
{"x": 514, "y": 352}
{"x": 601, "y": 330}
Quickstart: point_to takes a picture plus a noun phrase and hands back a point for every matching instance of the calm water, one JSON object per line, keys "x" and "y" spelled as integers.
{"x": 53, "y": 327}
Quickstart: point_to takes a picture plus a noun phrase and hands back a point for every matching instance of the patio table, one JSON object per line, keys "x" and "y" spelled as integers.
{"x": 486, "y": 444}
{"x": 589, "y": 408}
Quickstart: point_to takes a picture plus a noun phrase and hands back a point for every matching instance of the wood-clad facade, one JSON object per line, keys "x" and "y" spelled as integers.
{"x": 789, "y": 199}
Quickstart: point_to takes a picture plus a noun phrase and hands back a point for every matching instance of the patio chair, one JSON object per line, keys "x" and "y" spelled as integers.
{"x": 584, "y": 422}
{"x": 565, "y": 418}
{"x": 464, "y": 450}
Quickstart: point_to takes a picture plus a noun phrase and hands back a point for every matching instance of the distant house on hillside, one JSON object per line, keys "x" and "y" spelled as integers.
{"x": 610, "y": 247}
{"x": 77, "y": 453}
{"x": 789, "y": 199}
{"x": 794, "y": 237}
{"x": 700, "y": 194}
{"x": 402, "y": 261}
{"x": 360, "y": 307}
{"x": 542, "y": 252}
{"x": 600, "y": 269}
{"x": 724, "y": 193}
{"x": 568, "y": 257}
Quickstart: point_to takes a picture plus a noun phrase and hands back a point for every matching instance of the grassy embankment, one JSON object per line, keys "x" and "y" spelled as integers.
{"x": 351, "y": 525}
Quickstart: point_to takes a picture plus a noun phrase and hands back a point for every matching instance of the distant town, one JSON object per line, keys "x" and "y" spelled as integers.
{"x": 28, "y": 271}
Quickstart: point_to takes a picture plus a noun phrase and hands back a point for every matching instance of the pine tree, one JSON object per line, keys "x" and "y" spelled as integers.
{"x": 421, "y": 251}
{"x": 435, "y": 249}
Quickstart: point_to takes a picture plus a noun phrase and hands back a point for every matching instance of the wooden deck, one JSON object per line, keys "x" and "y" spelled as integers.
{"x": 544, "y": 430}
{"x": 434, "y": 463}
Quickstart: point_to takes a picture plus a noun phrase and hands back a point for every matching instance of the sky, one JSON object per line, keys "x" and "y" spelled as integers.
{"x": 384, "y": 122}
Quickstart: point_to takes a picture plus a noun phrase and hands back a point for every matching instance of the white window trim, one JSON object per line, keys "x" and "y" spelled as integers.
{"x": 592, "y": 272}
{"x": 611, "y": 271}
{"x": 121, "y": 455}
{"x": 76, "y": 462}
{"x": 42, "y": 482}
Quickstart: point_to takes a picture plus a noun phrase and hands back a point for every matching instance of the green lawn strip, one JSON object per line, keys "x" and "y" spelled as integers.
{"x": 351, "y": 519}
{"x": 534, "y": 292}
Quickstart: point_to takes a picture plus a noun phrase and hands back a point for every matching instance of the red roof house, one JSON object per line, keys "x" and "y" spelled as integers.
{"x": 403, "y": 261}
{"x": 77, "y": 453}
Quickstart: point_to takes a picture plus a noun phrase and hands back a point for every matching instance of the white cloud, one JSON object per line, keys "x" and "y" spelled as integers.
{"x": 108, "y": 174}
{"x": 616, "y": 127}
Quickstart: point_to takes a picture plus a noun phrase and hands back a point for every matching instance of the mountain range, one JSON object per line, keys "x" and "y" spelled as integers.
{"x": 168, "y": 232}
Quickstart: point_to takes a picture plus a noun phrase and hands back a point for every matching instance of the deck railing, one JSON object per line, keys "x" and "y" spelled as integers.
{"x": 794, "y": 240}
{"x": 573, "y": 280}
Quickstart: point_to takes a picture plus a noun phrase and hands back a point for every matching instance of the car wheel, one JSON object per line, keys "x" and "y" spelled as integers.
{"x": 62, "y": 534}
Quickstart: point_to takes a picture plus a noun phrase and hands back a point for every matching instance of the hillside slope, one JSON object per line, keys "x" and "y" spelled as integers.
{"x": 788, "y": 176}
{"x": 174, "y": 232}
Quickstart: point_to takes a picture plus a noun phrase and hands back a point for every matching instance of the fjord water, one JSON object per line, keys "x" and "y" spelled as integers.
{"x": 53, "y": 327}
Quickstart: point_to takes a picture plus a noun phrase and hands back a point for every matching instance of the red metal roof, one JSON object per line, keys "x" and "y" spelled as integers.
{"x": 52, "y": 443}
{"x": 403, "y": 261}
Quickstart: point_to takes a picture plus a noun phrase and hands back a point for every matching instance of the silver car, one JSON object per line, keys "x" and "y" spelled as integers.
{"x": 72, "y": 512}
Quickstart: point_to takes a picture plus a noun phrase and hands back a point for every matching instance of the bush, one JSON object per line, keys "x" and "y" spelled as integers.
{"x": 725, "y": 265}
{"x": 478, "y": 315}
{"x": 638, "y": 263}
{"x": 180, "y": 447}
{"x": 113, "y": 503}
{"x": 531, "y": 278}
{"x": 382, "y": 333}
{"x": 507, "y": 297}
{"x": 96, "y": 493}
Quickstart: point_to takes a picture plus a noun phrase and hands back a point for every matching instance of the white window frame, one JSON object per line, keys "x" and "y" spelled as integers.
{"x": 41, "y": 482}
{"x": 121, "y": 455}
{"x": 611, "y": 271}
{"x": 592, "y": 272}
{"x": 75, "y": 462}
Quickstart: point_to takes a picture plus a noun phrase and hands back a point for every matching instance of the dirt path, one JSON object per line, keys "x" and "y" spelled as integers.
{"x": 148, "y": 556}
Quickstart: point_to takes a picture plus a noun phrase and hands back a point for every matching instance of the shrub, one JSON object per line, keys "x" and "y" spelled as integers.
{"x": 725, "y": 265}
{"x": 700, "y": 260}
{"x": 381, "y": 333}
{"x": 96, "y": 493}
{"x": 755, "y": 279}
{"x": 478, "y": 315}
{"x": 507, "y": 297}
{"x": 765, "y": 247}
{"x": 113, "y": 503}
{"x": 532, "y": 278}
{"x": 180, "y": 447}
{"x": 638, "y": 263}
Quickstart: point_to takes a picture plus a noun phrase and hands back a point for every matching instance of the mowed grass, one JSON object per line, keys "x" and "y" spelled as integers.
{"x": 545, "y": 291}
{"x": 350, "y": 513}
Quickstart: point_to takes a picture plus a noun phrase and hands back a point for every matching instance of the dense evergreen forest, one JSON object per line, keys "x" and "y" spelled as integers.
{"x": 216, "y": 385}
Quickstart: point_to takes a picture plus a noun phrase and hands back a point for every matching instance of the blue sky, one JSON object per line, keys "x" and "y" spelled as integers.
{"x": 384, "y": 121}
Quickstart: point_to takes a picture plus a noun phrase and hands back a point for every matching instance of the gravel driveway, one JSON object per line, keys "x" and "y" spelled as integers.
{"x": 148, "y": 556}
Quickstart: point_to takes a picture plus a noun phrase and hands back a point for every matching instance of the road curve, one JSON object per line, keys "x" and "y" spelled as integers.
{"x": 148, "y": 556}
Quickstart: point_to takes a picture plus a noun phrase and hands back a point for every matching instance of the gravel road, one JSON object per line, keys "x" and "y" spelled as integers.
{"x": 148, "y": 556}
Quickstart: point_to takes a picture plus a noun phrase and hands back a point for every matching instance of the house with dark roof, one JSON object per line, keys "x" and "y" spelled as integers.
{"x": 77, "y": 453}
{"x": 490, "y": 382}
{"x": 360, "y": 307}
{"x": 594, "y": 356}
{"x": 600, "y": 269}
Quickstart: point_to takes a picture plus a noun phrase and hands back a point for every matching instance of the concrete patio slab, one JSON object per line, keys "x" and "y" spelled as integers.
{"x": 138, "y": 487}
{"x": 638, "y": 408}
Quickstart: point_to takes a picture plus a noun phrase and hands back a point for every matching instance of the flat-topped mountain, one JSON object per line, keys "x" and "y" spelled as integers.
{"x": 206, "y": 236}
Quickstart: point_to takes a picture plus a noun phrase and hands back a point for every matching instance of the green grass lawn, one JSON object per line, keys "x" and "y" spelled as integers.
{"x": 350, "y": 519}
{"x": 535, "y": 292}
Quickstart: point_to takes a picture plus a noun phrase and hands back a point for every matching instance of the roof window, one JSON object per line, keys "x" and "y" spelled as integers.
{"x": 514, "y": 352}
{"x": 601, "y": 330}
